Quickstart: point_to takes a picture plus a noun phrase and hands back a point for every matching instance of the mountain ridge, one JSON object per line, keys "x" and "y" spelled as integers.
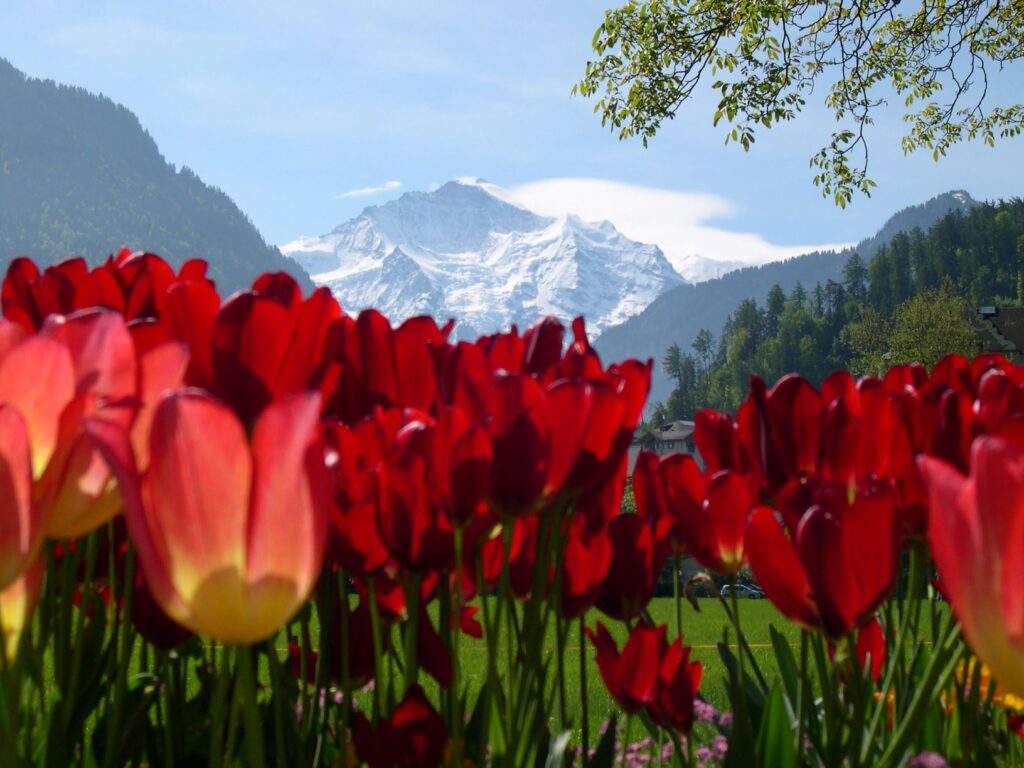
{"x": 680, "y": 313}
{"x": 80, "y": 175}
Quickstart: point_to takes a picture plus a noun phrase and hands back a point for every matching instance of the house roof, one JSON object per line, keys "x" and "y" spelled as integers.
{"x": 673, "y": 431}
{"x": 1010, "y": 323}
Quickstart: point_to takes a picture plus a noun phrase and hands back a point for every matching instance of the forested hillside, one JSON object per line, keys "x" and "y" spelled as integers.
{"x": 678, "y": 315}
{"x": 912, "y": 301}
{"x": 80, "y": 176}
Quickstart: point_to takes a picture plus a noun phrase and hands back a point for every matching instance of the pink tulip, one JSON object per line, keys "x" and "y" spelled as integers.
{"x": 976, "y": 530}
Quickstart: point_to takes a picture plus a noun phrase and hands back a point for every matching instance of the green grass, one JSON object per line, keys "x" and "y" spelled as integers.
{"x": 702, "y": 631}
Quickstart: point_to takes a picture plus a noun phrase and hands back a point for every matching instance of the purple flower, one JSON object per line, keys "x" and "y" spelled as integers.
{"x": 928, "y": 760}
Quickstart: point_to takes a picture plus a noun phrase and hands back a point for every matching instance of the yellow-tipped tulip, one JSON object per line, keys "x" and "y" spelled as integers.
{"x": 16, "y": 605}
{"x": 230, "y": 532}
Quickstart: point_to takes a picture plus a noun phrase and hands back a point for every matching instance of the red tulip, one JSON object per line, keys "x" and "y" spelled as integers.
{"x": 414, "y": 735}
{"x": 835, "y": 568}
{"x": 586, "y": 419}
{"x": 207, "y": 514}
{"x": 976, "y": 534}
{"x": 359, "y": 650}
{"x": 520, "y": 430}
{"x": 678, "y": 681}
{"x": 638, "y": 553}
{"x": 387, "y": 367}
{"x": 632, "y": 676}
{"x": 717, "y": 440}
{"x": 584, "y": 567}
{"x": 268, "y": 342}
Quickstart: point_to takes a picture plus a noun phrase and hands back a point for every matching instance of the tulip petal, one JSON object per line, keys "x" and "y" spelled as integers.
{"x": 849, "y": 555}
{"x": 291, "y": 492}
{"x": 17, "y": 602}
{"x": 113, "y": 442}
{"x": 38, "y": 379}
{"x": 998, "y": 470}
{"x": 20, "y": 528}
{"x": 102, "y": 352}
{"x": 778, "y": 569}
{"x": 197, "y": 498}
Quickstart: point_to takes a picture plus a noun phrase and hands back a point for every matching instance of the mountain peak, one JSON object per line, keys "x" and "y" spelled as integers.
{"x": 469, "y": 251}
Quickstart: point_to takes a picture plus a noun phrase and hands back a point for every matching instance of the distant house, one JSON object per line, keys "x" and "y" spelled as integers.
{"x": 1002, "y": 330}
{"x": 673, "y": 437}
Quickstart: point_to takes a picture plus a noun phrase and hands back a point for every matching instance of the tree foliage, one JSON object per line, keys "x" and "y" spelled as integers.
{"x": 912, "y": 302}
{"x": 764, "y": 58}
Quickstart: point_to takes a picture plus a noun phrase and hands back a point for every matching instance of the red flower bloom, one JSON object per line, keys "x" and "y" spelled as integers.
{"x": 585, "y": 564}
{"x": 268, "y": 342}
{"x": 387, "y": 366}
{"x": 632, "y": 676}
{"x": 678, "y": 681}
{"x": 835, "y": 568}
{"x": 414, "y": 735}
{"x": 520, "y": 427}
{"x": 649, "y": 674}
{"x": 638, "y": 553}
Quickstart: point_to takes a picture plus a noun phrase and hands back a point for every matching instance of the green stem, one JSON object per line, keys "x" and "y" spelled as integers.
{"x": 246, "y": 663}
{"x": 734, "y": 599}
{"x": 346, "y": 675}
{"x": 455, "y": 627}
{"x": 677, "y": 595}
{"x": 278, "y": 701}
{"x": 220, "y": 695}
{"x": 585, "y": 735}
{"x": 803, "y": 694}
{"x": 378, "y": 661}
{"x": 626, "y": 737}
{"x": 936, "y": 675}
{"x": 412, "y": 602}
{"x": 125, "y": 642}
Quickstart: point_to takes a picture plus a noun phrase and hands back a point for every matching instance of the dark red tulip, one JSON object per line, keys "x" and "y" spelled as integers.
{"x": 833, "y": 571}
{"x": 268, "y": 342}
{"x": 638, "y": 553}
{"x": 414, "y": 735}
{"x": 632, "y": 676}
{"x": 678, "y": 681}
{"x": 586, "y": 419}
{"x": 542, "y": 344}
{"x": 585, "y": 564}
{"x": 387, "y": 367}
{"x": 520, "y": 430}
{"x": 360, "y": 651}
{"x": 717, "y": 440}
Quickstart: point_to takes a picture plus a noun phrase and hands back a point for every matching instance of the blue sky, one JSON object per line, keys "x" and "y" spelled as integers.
{"x": 288, "y": 106}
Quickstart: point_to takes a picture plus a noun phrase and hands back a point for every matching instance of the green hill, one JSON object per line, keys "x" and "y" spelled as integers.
{"x": 79, "y": 176}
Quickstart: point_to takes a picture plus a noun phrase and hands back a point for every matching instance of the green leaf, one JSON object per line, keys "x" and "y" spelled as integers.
{"x": 787, "y": 663}
{"x": 775, "y": 744}
{"x": 556, "y": 754}
{"x": 604, "y": 756}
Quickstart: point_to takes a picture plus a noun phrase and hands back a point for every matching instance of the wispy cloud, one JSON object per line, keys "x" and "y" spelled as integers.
{"x": 387, "y": 186}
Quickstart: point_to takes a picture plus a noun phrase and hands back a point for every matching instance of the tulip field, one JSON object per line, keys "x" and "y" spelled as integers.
{"x": 254, "y": 530}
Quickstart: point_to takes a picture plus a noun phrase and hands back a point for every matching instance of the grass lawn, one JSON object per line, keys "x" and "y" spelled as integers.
{"x": 702, "y": 631}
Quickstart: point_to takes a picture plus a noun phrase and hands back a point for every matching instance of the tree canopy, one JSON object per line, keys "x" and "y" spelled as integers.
{"x": 765, "y": 57}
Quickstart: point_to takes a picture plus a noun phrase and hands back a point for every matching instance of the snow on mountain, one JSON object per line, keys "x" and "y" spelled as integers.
{"x": 465, "y": 250}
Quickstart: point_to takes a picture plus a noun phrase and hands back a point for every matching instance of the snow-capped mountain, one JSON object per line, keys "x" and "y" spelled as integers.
{"x": 466, "y": 251}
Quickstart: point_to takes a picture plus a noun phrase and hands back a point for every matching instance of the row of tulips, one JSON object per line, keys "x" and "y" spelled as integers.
{"x": 339, "y": 500}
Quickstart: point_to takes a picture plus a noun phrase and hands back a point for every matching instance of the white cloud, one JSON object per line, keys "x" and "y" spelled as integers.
{"x": 387, "y": 186}
{"x": 678, "y": 222}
